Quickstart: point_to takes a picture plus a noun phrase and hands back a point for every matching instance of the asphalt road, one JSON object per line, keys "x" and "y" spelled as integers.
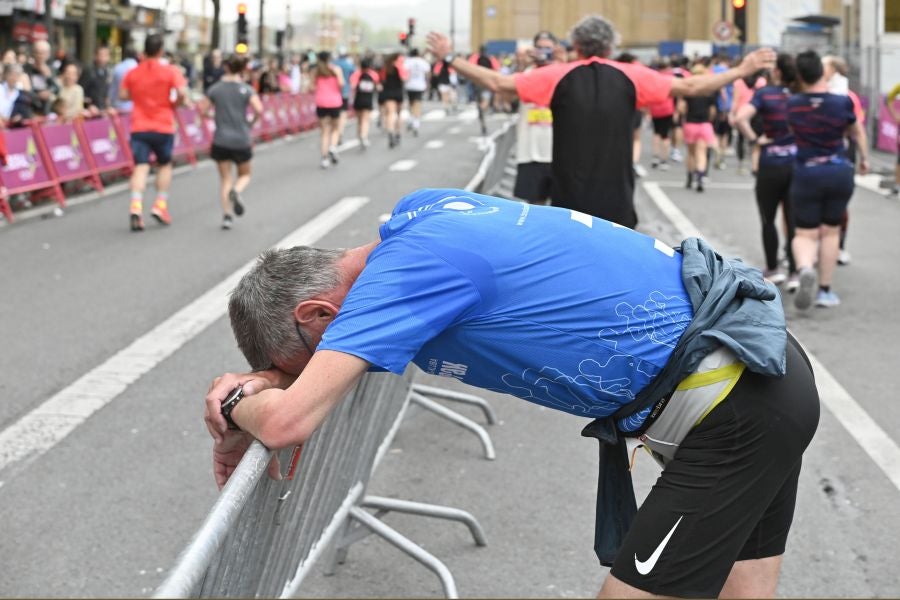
{"x": 106, "y": 511}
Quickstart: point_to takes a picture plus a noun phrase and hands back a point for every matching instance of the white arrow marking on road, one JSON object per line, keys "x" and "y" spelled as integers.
{"x": 434, "y": 144}
{"x": 57, "y": 417}
{"x": 853, "y": 417}
{"x": 403, "y": 165}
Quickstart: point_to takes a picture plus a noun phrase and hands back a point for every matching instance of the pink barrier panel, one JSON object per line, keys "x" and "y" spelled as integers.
{"x": 887, "y": 127}
{"x": 108, "y": 148}
{"x": 68, "y": 152}
{"x": 270, "y": 124}
{"x": 307, "y": 104}
{"x": 258, "y": 129}
{"x": 282, "y": 101}
{"x": 292, "y": 111}
{"x": 194, "y": 128}
{"x": 28, "y": 167}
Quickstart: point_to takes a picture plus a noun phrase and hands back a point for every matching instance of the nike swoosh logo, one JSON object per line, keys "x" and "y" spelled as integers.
{"x": 644, "y": 567}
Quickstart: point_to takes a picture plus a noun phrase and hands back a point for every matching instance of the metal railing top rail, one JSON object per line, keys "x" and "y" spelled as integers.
{"x": 476, "y": 184}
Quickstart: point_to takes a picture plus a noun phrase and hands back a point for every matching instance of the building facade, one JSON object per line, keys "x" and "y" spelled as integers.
{"x": 641, "y": 23}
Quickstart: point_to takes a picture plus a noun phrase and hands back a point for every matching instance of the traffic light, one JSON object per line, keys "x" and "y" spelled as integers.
{"x": 411, "y": 27}
{"x": 243, "y": 37}
{"x": 403, "y": 38}
{"x": 740, "y": 18}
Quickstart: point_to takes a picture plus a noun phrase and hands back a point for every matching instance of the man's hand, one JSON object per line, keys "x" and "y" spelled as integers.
{"x": 439, "y": 45}
{"x": 228, "y": 452}
{"x": 253, "y": 383}
{"x": 756, "y": 61}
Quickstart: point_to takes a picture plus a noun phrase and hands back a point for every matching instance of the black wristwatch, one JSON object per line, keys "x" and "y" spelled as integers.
{"x": 228, "y": 404}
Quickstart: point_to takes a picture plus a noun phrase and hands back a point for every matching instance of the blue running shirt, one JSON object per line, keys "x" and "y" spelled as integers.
{"x": 771, "y": 103}
{"x": 819, "y": 122}
{"x": 547, "y": 304}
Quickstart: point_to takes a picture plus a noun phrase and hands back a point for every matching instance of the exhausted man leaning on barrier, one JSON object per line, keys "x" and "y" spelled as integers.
{"x": 680, "y": 347}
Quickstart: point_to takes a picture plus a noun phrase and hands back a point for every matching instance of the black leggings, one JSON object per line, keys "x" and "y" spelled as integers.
{"x": 773, "y": 184}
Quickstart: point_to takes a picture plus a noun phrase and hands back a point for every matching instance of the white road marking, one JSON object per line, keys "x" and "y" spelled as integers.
{"x": 434, "y": 144}
{"x": 347, "y": 146}
{"x": 856, "y": 421}
{"x": 469, "y": 114}
{"x": 684, "y": 226}
{"x": 871, "y": 182}
{"x": 406, "y": 164}
{"x": 46, "y": 425}
{"x": 710, "y": 185}
{"x": 454, "y": 130}
{"x": 434, "y": 115}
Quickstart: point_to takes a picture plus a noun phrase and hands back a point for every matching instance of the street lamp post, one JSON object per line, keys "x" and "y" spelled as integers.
{"x": 453, "y": 24}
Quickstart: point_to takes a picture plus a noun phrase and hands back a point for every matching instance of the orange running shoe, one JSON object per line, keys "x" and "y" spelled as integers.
{"x": 160, "y": 212}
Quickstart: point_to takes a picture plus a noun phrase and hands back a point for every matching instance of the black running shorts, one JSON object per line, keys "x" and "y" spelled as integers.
{"x": 820, "y": 194}
{"x": 729, "y": 493}
{"x": 236, "y": 155}
{"x": 534, "y": 182}
{"x": 662, "y": 126}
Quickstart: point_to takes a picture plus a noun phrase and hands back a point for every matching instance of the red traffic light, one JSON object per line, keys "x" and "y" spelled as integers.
{"x": 402, "y": 36}
{"x": 242, "y": 8}
{"x": 739, "y": 4}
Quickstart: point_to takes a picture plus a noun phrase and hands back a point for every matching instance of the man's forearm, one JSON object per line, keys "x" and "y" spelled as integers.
{"x": 704, "y": 85}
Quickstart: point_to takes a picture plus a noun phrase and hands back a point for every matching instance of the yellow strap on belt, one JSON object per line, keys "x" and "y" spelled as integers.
{"x": 731, "y": 373}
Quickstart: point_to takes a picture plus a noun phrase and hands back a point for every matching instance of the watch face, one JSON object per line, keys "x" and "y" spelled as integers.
{"x": 235, "y": 394}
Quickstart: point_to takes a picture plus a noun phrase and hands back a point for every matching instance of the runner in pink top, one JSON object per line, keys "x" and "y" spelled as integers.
{"x": 327, "y": 83}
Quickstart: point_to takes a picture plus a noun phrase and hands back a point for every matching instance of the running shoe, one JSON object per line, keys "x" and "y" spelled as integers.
{"x": 236, "y": 203}
{"x": 675, "y": 155}
{"x": 720, "y": 165}
{"x": 137, "y": 222}
{"x": 655, "y": 163}
{"x": 806, "y": 293}
{"x": 690, "y": 181}
{"x": 364, "y": 143}
{"x": 776, "y": 276}
{"x": 639, "y": 170}
{"x": 663, "y": 166}
{"x": 895, "y": 193}
{"x": 326, "y": 162}
{"x": 160, "y": 212}
{"x": 332, "y": 155}
{"x": 700, "y": 181}
{"x": 827, "y": 299}
{"x": 844, "y": 258}
{"x": 227, "y": 222}
{"x": 793, "y": 282}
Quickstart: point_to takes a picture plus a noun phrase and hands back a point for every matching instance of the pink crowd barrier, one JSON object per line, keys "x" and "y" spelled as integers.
{"x": 45, "y": 154}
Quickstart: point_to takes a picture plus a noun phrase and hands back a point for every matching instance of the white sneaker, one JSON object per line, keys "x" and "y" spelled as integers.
{"x": 675, "y": 155}
{"x": 639, "y": 170}
{"x": 326, "y": 162}
{"x": 844, "y": 258}
{"x": 775, "y": 276}
{"x": 806, "y": 294}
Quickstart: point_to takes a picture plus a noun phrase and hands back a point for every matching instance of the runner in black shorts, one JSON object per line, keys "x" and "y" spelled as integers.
{"x": 232, "y": 141}
{"x": 729, "y": 492}
{"x": 823, "y": 179}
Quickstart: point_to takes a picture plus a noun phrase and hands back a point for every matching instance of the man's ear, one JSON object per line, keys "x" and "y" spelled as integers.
{"x": 310, "y": 312}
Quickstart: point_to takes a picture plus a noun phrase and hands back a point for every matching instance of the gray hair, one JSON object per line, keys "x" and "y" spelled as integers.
{"x": 261, "y": 307}
{"x": 12, "y": 69}
{"x": 594, "y": 36}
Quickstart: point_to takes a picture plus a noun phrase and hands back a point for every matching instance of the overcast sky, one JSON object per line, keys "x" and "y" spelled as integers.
{"x": 429, "y": 14}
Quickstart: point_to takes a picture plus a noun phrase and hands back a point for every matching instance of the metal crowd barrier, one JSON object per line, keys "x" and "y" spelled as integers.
{"x": 263, "y": 537}
{"x": 491, "y": 170}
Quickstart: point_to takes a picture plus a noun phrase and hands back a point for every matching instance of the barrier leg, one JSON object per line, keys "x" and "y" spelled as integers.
{"x": 428, "y": 510}
{"x": 436, "y": 392}
{"x": 404, "y": 544}
{"x": 457, "y": 418}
